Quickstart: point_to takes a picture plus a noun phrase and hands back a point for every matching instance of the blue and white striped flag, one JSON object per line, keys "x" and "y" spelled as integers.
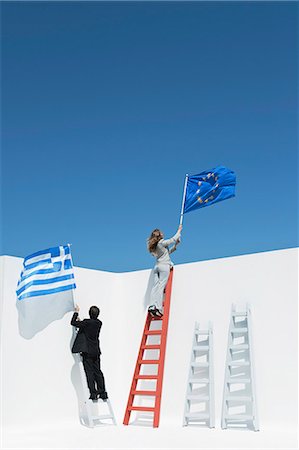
{"x": 45, "y": 289}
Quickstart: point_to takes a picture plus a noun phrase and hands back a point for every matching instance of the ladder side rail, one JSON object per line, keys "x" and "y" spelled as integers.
{"x": 188, "y": 390}
{"x": 111, "y": 412}
{"x": 252, "y": 371}
{"x": 165, "y": 320}
{"x": 211, "y": 377}
{"x": 137, "y": 370}
{"x": 227, "y": 370}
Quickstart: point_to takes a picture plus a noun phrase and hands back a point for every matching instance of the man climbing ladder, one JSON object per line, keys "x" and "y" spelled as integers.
{"x": 87, "y": 343}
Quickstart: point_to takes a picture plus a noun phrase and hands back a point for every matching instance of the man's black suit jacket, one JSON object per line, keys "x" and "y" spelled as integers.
{"x": 91, "y": 329}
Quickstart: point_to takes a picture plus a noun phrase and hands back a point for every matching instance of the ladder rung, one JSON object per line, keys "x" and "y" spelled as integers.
{"x": 153, "y": 332}
{"x": 198, "y": 380}
{"x": 239, "y": 330}
{"x": 238, "y": 363}
{"x": 201, "y": 332}
{"x": 141, "y": 408}
{"x": 200, "y": 364}
{"x": 146, "y": 377}
{"x": 198, "y": 348}
{"x": 153, "y": 393}
{"x": 148, "y": 361}
{"x": 238, "y": 398}
{"x": 239, "y": 313}
{"x": 101, "y": 417}
{"x": 204, "y": 398}
{"x": 239, "y": 417}
{"x": 238, "y": 380}
{"x": 151, "y": 347}
{"x": 239, "y": 347}
{"x": 197, "y": 416}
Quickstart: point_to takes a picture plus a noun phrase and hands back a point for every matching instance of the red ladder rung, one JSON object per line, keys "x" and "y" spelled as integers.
{"x": 151, "y": 347}
{"x": 148, "y": 361}
{"x": 141, "y": 408}
{"x": 146, "y": 377}
{"x": 153, "y": 393}
{"x": 153, "y": 332}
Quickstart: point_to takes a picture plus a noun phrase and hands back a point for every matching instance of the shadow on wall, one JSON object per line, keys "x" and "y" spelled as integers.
{"x": 147, "y": 296}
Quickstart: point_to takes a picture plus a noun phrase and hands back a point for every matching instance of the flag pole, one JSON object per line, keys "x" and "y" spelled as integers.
{"x": 183, "y": 200}
{"x": 74, "y": 290}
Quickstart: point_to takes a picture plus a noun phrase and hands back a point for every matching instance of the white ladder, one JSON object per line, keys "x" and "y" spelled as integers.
{"x": 93, "y": 418}
{"x": 200, "y": 402}
{"x": 239, "y": 408}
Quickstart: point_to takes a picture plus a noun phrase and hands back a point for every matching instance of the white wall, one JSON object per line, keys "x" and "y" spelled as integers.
{"x": 37, "y": 374}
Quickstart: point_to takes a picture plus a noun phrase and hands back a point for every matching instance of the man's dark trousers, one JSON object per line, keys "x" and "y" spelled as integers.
{"x": 94, "y": 375}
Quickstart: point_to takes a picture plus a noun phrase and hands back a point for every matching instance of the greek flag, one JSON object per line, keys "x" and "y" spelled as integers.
{"x": 45, "y": 289}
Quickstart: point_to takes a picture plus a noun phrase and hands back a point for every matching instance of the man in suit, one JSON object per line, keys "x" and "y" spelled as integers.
{"x": 90, "y": 351}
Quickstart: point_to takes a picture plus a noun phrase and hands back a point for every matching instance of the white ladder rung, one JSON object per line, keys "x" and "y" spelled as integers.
{"x": 239, "y": 417}
{"x": 108, "y": 416}
{"x": 239, "y": 347}
{"x": 198, "y": 380}
{"x": 238, "y": 363}
{"x": 239, "y": 330}
{"x": 238, "y": 398}
{"x": 200, "y": 364}
{"x": 203, "y": 398}
{"x": 239, "y": 313}
{"x": 197, "y": 416}
{"x": 238, "y": 380}
{"x": 200, "y": 348}
{"x": 201, "y": 332}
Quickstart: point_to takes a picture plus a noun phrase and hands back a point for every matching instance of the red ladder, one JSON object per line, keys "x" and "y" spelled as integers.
{"x": 159, "y": 362}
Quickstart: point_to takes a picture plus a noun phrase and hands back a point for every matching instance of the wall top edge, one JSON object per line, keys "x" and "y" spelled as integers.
{"x": 245, "y": 255}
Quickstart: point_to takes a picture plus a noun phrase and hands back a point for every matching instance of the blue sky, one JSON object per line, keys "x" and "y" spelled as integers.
{"x": 106, "y": 106}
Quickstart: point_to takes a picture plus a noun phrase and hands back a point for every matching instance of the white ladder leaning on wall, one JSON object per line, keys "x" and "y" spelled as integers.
{"x": 200, "y": 402}
{"x": 239, "y": 408}
{"x": 93, "y": 418}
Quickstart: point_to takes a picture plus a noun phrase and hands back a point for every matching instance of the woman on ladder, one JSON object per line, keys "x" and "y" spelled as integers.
{"x": 159, "y": 248}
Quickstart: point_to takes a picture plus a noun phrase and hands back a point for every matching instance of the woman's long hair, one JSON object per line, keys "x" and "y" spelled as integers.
{"x": 153, "y": 240}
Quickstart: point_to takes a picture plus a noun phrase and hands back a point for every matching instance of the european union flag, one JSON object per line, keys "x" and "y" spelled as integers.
{"x": 209, "y": 187}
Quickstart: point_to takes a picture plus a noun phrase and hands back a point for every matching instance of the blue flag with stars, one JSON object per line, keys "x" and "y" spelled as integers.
{"x": 209, "y": 187}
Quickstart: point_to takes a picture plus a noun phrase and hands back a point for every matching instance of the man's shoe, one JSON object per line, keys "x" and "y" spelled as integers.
{"x": 93, "y": 397}
{"x": 103, "y": 396}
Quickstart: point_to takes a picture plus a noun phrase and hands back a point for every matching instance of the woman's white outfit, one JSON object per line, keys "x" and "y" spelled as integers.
{"x": 162, "y": 269}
